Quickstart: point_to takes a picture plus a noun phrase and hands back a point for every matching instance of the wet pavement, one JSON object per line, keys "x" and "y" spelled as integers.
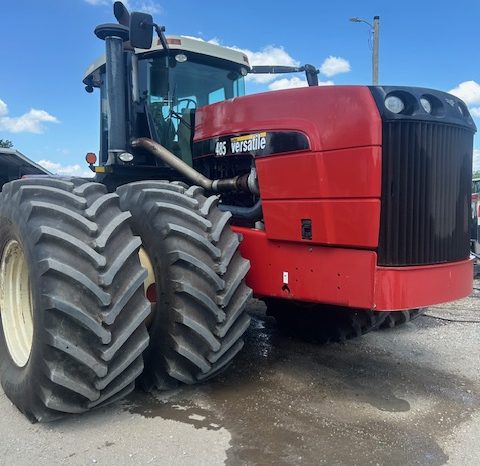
{"x": 404, "y": 396}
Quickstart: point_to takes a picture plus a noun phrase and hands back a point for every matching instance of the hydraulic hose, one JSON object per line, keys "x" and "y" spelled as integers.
{"x": 253, "y": 213}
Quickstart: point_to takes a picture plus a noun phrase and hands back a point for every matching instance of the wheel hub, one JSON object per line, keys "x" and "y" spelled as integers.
{"x": 16, "y": 308}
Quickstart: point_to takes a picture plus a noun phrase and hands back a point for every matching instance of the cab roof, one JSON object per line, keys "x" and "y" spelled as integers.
{"x": 186, "y": 44}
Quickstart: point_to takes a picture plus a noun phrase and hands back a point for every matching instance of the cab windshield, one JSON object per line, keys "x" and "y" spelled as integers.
{"x": 176, "y": 91}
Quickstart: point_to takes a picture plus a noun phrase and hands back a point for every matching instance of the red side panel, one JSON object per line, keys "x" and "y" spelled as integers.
{"x": 344, "y": 173}
{"x": 339, "y": 191}
{"x": 340, "y": 222}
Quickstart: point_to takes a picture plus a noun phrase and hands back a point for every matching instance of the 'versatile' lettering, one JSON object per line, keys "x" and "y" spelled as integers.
{"x": 249, "y": 143}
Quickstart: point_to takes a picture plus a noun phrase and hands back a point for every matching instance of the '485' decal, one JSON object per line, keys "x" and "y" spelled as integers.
{"x": 221, "y": 148}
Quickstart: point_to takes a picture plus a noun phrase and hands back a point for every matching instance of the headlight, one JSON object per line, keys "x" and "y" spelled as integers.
{"x": 181, "y": 57}
{"x": 427, "y": 106}
{"x": 394, "y": 104}
{"x": 126, "y": 157}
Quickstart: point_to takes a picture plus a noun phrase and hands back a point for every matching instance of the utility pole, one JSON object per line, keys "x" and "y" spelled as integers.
{"x": 375, "y": 31}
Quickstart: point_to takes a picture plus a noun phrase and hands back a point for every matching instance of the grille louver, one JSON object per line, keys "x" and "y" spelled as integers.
{"x": 426, "y": 185}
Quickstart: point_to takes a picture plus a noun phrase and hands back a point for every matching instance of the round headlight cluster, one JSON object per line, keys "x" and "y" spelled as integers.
{"x": 402, "y": 102}
{"x": 126, "y": 157}
{"x": 394, "y": 104}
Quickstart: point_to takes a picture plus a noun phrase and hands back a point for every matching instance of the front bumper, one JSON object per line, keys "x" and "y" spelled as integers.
{"x": 347, "y": 277}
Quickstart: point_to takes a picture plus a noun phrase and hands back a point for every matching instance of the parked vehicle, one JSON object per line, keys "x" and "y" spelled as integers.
{"x": 342, "y": 207}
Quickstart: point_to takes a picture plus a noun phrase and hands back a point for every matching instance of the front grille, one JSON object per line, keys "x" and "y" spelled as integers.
{"x": 426, "y": 189}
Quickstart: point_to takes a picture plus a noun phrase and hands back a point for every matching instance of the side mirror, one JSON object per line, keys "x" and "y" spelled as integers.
{"x": 141, "y": 30}
{"x": 311, "y": 74}
{"x": 121, "y": 13}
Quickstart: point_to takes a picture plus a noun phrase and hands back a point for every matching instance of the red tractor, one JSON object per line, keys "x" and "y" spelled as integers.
{"x": 344, "y": 208}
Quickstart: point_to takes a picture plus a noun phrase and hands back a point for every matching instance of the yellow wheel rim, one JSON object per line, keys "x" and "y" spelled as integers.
{"x": 149, "y": 281}
{"x": 16, "y": 303}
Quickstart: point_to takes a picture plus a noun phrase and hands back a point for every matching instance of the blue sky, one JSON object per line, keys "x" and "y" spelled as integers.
{"x": 46, "y": 45}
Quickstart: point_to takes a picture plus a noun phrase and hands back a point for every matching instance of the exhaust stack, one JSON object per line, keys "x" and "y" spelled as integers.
{"x": 114, "y": 36}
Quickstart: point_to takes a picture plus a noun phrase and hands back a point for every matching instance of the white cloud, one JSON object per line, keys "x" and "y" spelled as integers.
{"x": 213, "y": 41}
{"x": 475, "y": 112}
{"x": 476, "y": 160}
{"x": 291, "y": 83}
{"x": 145, "y": 6}
{"x": 30, "y": 122}
{"x": 287, "y": 83}
{"x": 468, "y": 91}
{"x": 334, "y": 65}
{"x": 66, "y": 170}
{"x": 3, "y": 108}
{"x": 269, "y": 55}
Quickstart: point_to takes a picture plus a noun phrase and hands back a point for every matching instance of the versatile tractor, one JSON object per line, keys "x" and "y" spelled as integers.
{"x": 344, "y": 208}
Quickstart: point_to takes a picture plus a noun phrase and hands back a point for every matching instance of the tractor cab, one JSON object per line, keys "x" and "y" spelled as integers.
{"x": 166, "y": 87}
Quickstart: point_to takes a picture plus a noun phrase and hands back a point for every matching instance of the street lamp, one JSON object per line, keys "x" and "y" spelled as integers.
{"x": 375, "y": 30}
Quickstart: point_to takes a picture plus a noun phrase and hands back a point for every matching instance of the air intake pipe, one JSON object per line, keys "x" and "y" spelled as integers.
{"x": 246, "y": 183}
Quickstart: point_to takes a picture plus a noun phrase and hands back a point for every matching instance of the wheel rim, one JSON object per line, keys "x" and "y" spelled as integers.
{"x": 149, "y": 283}
{"x": 16, "y": 303}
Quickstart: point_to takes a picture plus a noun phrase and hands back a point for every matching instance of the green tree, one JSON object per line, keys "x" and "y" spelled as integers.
{"x": 5, "y": 144}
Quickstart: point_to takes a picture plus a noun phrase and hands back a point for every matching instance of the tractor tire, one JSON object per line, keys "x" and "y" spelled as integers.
{"x": 199, "y": 316}
{"x": 394, "y": 319}
{"x": 321, "y": 323}
{"x": 71, "y": 297}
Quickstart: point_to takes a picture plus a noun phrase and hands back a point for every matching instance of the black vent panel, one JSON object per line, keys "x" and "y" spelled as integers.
{"x": 426, "y": 190}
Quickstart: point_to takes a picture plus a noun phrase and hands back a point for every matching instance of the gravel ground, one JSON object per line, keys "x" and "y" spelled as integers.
{"x": 405, "y": 396}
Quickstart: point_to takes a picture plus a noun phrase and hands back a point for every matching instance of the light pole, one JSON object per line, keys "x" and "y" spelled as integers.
{"x": 375, "y": 30}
